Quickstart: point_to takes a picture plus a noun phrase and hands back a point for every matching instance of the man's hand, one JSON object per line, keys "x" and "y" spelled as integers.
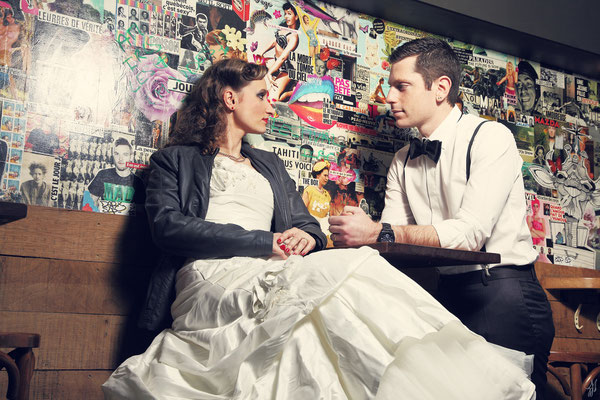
{"x": 353, "y": 228}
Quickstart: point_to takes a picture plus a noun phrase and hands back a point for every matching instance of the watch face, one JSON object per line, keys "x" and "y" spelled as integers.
{"x": 386, "y": 237}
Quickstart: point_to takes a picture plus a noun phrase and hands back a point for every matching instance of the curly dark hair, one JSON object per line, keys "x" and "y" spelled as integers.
{"x": 202, "y": 118}
{"x": 33, "y": 166}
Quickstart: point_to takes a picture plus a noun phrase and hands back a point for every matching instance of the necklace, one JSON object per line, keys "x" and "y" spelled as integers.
{"x": 241, "y": 158}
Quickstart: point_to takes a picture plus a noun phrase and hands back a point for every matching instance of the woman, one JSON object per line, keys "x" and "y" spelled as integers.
{"x": 378, "y": 96}
{"x": 316, "y": 198}
{"x": 310, "y": 28}
{"x": 540, "y": 156}
{"x": 218, "y": 48}
{"x": 252, "y": 318}
{"x": 510, "y": 78}
{"x": 537, "y": 225}
{"x": 285, "y": 42}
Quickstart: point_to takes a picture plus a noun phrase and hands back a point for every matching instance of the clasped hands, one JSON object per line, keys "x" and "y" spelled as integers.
{"x": 293, "y": 241}
{"x": 353, "y": 228}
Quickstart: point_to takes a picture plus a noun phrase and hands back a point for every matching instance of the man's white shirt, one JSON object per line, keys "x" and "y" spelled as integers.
{"x": 489, "y": 209}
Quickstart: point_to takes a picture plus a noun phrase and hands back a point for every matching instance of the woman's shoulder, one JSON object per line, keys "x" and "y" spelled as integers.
{"x": 180, "y": 154}
{"x": 177, "y": 151}
{"x": 254, "y": 152}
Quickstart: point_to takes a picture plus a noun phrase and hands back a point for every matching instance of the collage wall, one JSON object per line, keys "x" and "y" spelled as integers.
{"x": 87, "y": 89}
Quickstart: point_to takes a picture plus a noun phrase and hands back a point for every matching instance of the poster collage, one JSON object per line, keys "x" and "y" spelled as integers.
{"x": 88, "y": 89}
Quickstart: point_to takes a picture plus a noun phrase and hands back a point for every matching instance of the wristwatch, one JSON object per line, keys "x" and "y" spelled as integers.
{"x": 386, "y": 234}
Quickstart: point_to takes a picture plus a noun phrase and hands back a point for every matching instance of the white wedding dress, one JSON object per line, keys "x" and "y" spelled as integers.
{"x": 336, "y": 324}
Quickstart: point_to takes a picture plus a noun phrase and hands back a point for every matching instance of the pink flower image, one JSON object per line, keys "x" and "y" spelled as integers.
{"x": 277, "y": 13}
{"x": 150, "y": 85}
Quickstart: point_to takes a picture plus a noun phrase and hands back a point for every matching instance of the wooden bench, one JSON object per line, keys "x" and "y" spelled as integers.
{"x": 77, "y": 279}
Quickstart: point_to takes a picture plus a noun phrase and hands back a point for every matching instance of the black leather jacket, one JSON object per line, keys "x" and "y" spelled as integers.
{"x": 177, "y": 198}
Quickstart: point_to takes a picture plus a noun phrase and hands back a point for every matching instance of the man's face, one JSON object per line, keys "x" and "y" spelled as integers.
{"x": 122, "y": 155}
{"x": 526, "y": 91}
{"x": 305, "y": 154}
{"x": 37, "y": 175}
{"x": 411, "y": 102}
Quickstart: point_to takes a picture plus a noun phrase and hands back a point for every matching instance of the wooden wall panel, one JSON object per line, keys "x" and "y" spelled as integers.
{"x": 564, "y": 324}
{"x": 580, "y": 345}
{"x": 63, "y": 385}
{"x": 70, "y": 341}
{"x": 65, "y": 286}
{"x": 78, "y": 235}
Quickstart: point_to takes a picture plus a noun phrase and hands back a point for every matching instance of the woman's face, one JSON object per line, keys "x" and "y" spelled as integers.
{"x": 540, "y": 153}
{"x": 291, "y": 19}
{"x": 323, "y": 177}
{"x": 526, "y": 91}
{"x": 217, "y": 52}
{"x": 320, "y": 67}
{"x": 253, "y": 109}
{"x": 306, "y": 20}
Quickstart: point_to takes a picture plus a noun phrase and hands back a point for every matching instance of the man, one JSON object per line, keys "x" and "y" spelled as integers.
{"x": 118, "y": 184}
{"x": 434, "y": 203}
{"x": 36, "y": 191}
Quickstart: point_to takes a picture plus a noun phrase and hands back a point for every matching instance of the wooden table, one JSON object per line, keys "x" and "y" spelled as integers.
{"x": 12, "y": 211}
{"x": 418, "y": 262}
{"x": 403, "y": 255}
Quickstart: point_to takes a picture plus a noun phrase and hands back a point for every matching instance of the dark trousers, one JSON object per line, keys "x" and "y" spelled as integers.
{"x": 508, "y": 308}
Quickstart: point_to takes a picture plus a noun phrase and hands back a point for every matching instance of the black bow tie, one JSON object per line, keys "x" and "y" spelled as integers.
{"x": 431, "y": 148}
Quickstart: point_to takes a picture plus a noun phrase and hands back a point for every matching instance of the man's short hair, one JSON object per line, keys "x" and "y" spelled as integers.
{"x": 435, "y": 58}
{"x": 122, "y": 142}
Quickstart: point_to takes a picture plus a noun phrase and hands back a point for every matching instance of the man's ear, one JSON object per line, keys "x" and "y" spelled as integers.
{"x": 442, "y": 87}
{"x": 230, "y": 98}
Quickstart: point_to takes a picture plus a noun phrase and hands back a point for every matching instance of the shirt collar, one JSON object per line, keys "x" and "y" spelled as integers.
{"x": 447, "y": 125}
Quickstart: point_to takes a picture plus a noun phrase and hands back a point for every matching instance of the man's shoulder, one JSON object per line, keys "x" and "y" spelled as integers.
{"x": 107, "y": 172}
{"x": 470, "y": 123}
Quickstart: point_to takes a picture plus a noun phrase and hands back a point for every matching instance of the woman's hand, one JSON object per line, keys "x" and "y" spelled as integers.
{"x": 295, "y": 241}
{"x": 278, "y": 251}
